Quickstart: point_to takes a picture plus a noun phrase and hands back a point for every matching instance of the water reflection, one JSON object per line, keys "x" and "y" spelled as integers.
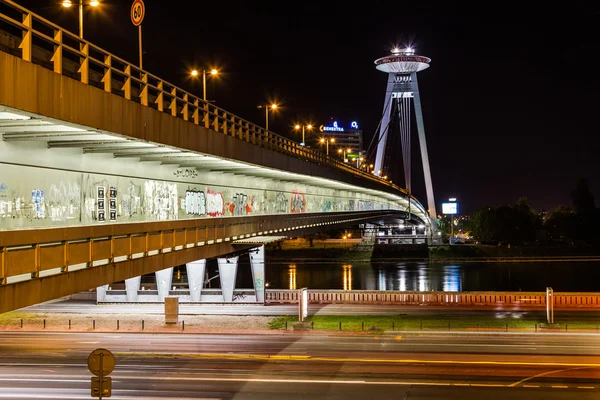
{"x": 347, "y": 270}
{"x": 414, "y": 276}
{"x": 292, "y": 279}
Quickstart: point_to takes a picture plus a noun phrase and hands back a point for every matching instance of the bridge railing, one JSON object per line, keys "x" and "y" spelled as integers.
{"x": 47, "y": 44}
{"x": 517, "y": 299}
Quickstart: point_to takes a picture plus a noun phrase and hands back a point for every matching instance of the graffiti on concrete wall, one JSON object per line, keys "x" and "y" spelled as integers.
{"x": 185, "y": 173}
{"x": 130, "y": 201}
{"x": 160, "y": 200}
{"x": 298, "y": 203}
{"x": 214, "y": 203}
{"x": 195, "y": 202}
{"x": 281, "y": 203}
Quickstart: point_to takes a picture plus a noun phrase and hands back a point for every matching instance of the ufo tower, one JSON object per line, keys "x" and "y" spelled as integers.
{"x": 402, "y": 90}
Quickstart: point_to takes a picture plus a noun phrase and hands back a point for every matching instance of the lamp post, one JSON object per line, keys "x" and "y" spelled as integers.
{"x": 359, "y": 159}
{"x": 323, "y": 140}
{"x": 69, "y": 3}
{"x": 308, "y": 127}
{"x": 195, "y": 73}
{"x": 344, "y": 152}
{"x": 267, "y": 107}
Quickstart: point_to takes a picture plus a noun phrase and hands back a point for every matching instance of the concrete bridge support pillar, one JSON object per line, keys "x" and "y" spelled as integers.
{"x": 195, "y": 273}
{"x": 101, "y": 293}
{"x": 227, "y": 274}
{"x": 257, "y": 263}
{"x": 132, "y": 285}
{"x": 164, "y": 278}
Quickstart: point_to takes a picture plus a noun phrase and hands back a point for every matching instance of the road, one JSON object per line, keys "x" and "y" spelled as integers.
{"x": 82, "y": 306}
{"x": 296, "y": 366}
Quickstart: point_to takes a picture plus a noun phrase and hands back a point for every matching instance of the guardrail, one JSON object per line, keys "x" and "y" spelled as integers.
{"x": 47, "y": 44}
{"x": 521, "y": 299}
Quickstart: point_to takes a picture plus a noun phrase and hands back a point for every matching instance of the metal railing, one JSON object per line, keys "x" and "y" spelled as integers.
{"x": 47, "y": 44}
{"x": 520, "y": 299}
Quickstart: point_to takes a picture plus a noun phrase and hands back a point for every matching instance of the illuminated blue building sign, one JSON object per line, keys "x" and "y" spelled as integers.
{"x": 336, "y": 128}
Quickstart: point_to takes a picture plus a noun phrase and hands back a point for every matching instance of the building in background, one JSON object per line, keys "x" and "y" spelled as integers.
{"x": 347, "y": 137}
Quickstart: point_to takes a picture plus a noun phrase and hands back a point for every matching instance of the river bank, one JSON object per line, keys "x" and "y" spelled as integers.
{"x": 353, "y": 250}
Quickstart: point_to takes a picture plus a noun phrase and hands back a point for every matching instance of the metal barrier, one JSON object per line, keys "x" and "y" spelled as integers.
{"x": 53, "y": 47}
{"x": 521, "y": 299}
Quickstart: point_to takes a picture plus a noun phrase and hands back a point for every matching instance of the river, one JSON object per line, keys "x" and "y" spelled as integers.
{"x": 421, "y": 276}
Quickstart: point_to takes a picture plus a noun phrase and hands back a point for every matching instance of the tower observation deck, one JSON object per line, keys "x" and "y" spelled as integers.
{"x": 402, "y": 67}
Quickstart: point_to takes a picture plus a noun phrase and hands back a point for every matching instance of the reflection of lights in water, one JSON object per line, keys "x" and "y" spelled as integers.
{"x": 382, "y": 280}
{"x": 402, "y": 280}
{"x": 451, "y": 279}
{"x": 292, "y": 276}
{"x": 347, "y": 269}
{"x": 422, "y": 279}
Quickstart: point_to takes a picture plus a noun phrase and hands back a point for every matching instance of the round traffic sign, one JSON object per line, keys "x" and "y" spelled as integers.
{"x": 101, "y": 362}
{"x": 138, "y": 10}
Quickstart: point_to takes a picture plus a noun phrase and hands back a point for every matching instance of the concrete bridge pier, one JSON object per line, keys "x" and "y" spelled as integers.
{"x": 132, "y": 285}
{"x": 164, "y": 279}
{"x": 257, "y": 263}
{"x": 227, "y": 274}
{"x": 101, "y": 293}
{"x": 195, "y": 273}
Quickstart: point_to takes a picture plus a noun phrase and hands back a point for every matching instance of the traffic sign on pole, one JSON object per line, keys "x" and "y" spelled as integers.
{"x": 138, "y": 11}
{"x": 101, "y": 362}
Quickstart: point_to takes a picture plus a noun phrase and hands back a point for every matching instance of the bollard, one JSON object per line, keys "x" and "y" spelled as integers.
{"x": 596, "y": 326}
{"x": 421, "y": 326}
{"x": 448, "y": 325}
{"x": 142, "y": 324}
{"x": 117, "y": 324}
{"x": 477, "y": 327}
{"x": 286, "y": 325}
{"x": 183, "y": 325}
{"x": 69, "y": 324}
{"x": 393, "y": 327}
{"x": 22, "y": 323}
{"x": 566, "y": 327}
{"x": 93, "y": 324}
{"x": 340, "y": 325}
{"x": 536, "y": 327}
{"x": 363, "y": 326}
{"x": 44, "y": 324}
{"x": 506, "y": 327}
{"x": 312, "y": 325}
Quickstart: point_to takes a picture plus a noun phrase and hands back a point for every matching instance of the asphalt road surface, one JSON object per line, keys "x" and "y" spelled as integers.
{"x": 305, "y": 366}
{"x": 81, "y": 306}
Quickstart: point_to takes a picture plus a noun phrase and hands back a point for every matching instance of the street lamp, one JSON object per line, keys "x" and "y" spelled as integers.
{"x": 69, "y": 3}
{"x": 359, "y": 159}
{"x": 344, "y": 152}
{"x": 267, "y": 107}
{"x": 323, "y": 140}
{"x": 308, "y": 127}
{"x": 195, "y": 73}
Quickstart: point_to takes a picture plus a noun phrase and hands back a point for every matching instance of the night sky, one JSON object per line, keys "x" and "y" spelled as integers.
{"x": 510, "y": 100}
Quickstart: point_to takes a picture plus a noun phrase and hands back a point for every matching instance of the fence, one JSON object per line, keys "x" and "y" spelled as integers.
{"x": 521, "y": 299}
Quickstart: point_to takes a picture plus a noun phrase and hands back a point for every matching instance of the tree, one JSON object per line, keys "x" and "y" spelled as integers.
{"x": 582, "y": 197}
{"x": 483, "y": 223}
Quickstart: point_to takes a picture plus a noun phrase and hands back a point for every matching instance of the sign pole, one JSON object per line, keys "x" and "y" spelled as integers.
{"x": 101, "y": 376}
{"x": 140, "y": 36}
{"x": 138, "y": 11}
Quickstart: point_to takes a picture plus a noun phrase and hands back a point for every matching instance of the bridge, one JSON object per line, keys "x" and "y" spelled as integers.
{"x": 108, "y": 172}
